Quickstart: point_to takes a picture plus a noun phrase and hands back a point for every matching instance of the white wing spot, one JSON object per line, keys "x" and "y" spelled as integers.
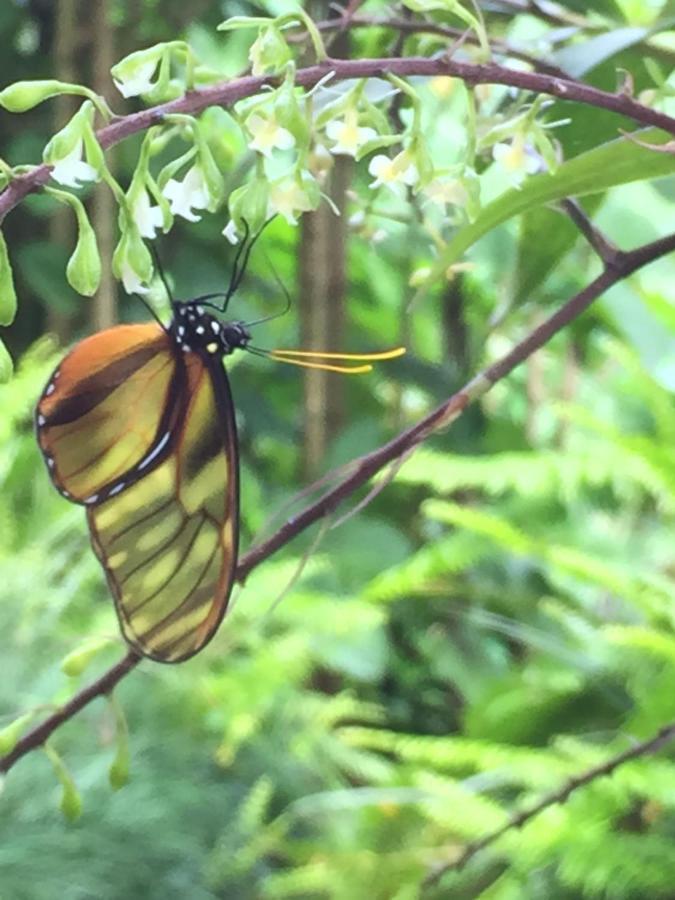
{"x": 92, "y": 499}
{"x": 199, "y": 329}
{"x": 50, "y": 462}
{"x": 116, "y": 489}
{"x": 200, "y": 310}
{"x": 186, "y": 348}
{"x": 181, "y": 330}
{"x": 157, "y": 449}
{"x": 215, "y": 326}
{"x": 41, "y": 419}
{"x": 212, "y": 348}
{"x": 50, "y": 389}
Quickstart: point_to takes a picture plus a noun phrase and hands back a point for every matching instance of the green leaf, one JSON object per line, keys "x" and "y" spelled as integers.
{"x": 7, "y": 292}
{"x": 616, "y": 162}
{"x": 237, "y": 22}
{"x": 579, "y": 59}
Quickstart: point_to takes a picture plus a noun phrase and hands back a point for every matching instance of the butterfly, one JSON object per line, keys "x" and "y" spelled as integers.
{"x": 137, "y": 425}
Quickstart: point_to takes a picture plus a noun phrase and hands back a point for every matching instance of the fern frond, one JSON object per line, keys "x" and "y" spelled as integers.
{"x": 428, "y": 568}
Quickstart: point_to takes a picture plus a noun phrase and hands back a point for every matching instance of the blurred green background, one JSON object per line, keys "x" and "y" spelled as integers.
{"x": 497, "y": 619}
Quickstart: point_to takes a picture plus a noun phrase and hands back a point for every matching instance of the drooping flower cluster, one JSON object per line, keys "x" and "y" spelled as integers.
{"x": 294, "y": 137}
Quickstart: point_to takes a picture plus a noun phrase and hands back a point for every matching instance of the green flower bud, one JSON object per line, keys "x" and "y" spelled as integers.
{"x": 24, "y": 95}
{"x": 133, "y": 74}
{"x": 10, "y": 734}
{"x": 269, "y": 52}
{"x": 71, "y": 802}
{"x": 76, "y": 662}
{"x": 7, "y": 292}
{"x": 288, "y": 114}
{"x": 132, "y": 262}
{"x": 249, "y": 204}
{"x": 6, "y": 365}
{"x": 118, "y": 773}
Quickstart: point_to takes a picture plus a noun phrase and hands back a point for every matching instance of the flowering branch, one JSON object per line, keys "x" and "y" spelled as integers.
{"x": 228, "y": 93}
{"x": 622, "y": 264}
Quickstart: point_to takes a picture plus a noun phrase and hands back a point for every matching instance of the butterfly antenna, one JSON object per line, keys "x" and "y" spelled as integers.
{"x": 238, "y": 266}
{"x": 284, "y": 291}
{"x": 160, "y": 269}
{"x": 242, "y": 258}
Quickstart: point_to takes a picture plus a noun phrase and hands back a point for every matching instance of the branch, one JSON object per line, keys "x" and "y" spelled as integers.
{"x": 363, "y": 469}
{"x": 642, "y": 748}
{"x": 606, "y": 250}
{"x": 227, "y": 93}
{"x": 411, "y": 26}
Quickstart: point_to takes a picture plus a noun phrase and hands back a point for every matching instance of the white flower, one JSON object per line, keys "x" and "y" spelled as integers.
{"x": 268, "y": 135}
{"x": 446, "y": 192}
{"x": 346, "y": 134}
{"x": 231, "y": 232}
{"x": 138, "y": 83}
{"x": 288, "y": 197}
{"x": 186, "y": 194}
{"x": 518, "y": 159}
{"x": 147, "y": 217}
{"x": 133, "y": 283}
{"x": 71, "y": 169}
{"x": 394, "y": 173}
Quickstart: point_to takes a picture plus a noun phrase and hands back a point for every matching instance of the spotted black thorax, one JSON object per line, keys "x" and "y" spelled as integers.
{"x": 195, "y": 330}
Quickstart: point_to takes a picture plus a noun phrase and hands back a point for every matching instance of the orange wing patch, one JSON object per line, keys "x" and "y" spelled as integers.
{"x": 104, "y": 409}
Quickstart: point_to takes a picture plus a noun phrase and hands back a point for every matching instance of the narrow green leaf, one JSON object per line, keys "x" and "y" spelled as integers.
{"x": 7, "y": 292}
{"x": 616, "y": 162}
{"x": 71, "y": 802}
{"x": 237, "y": 22}
{"x": 579, "y": 59}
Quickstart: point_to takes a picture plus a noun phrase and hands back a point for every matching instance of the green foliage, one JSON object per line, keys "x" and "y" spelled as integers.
{"x": 497, "y": 620}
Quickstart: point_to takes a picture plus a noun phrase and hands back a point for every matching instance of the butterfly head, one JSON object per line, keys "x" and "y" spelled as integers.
{"x": 196, "y": 330}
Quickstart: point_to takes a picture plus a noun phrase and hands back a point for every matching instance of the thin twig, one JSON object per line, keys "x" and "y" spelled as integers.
{"x": 643, "y": 748}
{"x": 364, "y": 468}
{"x": 228, "y": 93}
{"x": 413, "y": 26}
{"x": 606, "y": 250}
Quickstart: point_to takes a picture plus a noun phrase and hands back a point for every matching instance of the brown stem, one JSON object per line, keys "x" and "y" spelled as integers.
{"x": 606, "y": 250}
{"x": 227, "y": 93}
{"x": 414, "y": 26}
{"x": 663, "y": 736}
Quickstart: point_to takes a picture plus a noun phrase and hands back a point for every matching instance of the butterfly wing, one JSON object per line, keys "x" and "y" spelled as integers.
{"x": 145, "y": 436}
{"x": 169, "y": 543}
{"x": 106, "y": 409}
